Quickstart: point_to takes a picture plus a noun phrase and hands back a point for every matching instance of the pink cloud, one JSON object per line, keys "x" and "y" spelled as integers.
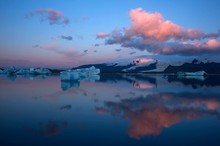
{"x": 153, "y": 25}
{"x": 53, "y": 16}
{"x": 188, "y": 48}
{"x": 149, "y": 31}
{"x": 101, "y": 35}
{"x": 213, "y": 44}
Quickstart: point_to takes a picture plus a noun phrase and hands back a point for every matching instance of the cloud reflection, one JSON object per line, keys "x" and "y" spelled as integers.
{"x": 149, "y": 115}
{"x": 49, "y": 129}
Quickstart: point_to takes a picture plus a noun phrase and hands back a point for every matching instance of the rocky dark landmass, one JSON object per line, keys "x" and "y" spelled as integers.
{"x": 209, "y": 67}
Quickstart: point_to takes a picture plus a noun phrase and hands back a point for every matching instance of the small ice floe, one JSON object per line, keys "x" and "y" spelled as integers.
{"x": 91, "y": 74}
{"x": 199, "y": 75}
{"x": 30, "y": 71}
{"x": 10, "y": 70}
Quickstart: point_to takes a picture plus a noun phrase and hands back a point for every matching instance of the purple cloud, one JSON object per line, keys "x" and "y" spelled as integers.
{"x": 132, "y": 53}
{"x": 101, "y": 35}
{"x": 66, "y": 37}
{"x": 118, "y": 50}
{"x": 97, "y": 45}
{"x": 52, "y": 16}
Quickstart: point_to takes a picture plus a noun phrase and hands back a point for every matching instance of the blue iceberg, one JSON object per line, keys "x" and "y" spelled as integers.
{"x": 91, "y": 74}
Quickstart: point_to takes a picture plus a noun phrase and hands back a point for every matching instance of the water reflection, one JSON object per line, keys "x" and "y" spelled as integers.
{"x": 134, "y": 109}
{"x": 65, "y": 85}
{"x": 66, "y": 107}
{"x": 27, "y": 76}
{"x": 196, "y": 81}
{"x": 49, "y": 129}
{"x": 148, "y": 115}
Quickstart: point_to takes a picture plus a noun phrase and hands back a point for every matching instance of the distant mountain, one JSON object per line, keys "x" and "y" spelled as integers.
{"x": 134, "y": 66}
{"x": 195, "y": 65}
{"x": 144, "y": 64}
{"x": 56, "y": 71}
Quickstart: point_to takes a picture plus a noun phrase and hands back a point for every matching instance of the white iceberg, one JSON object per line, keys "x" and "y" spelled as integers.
{"x": 198, "y": 73}
{"x": 80, "y": 74}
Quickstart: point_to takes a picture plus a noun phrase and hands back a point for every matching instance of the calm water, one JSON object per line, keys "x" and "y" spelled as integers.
{"x": 115, "y": 110}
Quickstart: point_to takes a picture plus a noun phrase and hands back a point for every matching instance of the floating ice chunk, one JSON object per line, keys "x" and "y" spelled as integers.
{"x": 198, "y": 73}
{"x": 80, "y": 74}
{"x": 41, "y": 71}
{"x": 35, "y": 71}
{"x": 23, "y": 71}
{"x": 10, "y": 70}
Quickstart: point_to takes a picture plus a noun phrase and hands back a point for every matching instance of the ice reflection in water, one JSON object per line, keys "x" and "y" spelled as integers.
{"x": 114, "y": 110}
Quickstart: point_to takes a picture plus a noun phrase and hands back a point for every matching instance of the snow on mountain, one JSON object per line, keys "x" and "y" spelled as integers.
{"x": 138, "y": 64}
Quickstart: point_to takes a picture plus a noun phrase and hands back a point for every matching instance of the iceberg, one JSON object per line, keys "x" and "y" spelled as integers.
{"x": 34, "y": 71}
{"x": 41, "y": 71}
{"x": 30, "y": 71}
{"x": 23, "y": 71}
{"x": 80, "y": 74}
{"x": 198, "y": 73}
{"x": 10, "y": 70}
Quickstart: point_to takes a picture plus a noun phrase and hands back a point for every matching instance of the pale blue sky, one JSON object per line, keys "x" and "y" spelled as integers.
{"x": 19, "y": 34}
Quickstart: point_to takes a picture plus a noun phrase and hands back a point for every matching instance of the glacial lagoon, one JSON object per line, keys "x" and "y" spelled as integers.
{"x": 114, "y": 110}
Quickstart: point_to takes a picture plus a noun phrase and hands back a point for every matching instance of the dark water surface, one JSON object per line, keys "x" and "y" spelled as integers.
{"x": 120, "y": 110}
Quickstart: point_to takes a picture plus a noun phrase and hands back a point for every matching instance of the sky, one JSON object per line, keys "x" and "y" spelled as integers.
{"x": 68, "y": 33}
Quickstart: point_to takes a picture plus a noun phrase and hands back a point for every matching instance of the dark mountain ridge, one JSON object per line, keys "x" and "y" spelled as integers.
{"x": 209, "y": 67}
